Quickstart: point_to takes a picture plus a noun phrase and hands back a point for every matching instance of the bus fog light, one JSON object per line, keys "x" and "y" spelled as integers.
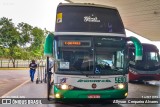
{"x": 58, "y": 95}
{"x": 126, "y": 94}
{"x": 120, "y": 86}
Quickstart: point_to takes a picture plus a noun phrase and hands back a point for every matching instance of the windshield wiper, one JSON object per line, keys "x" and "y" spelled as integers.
{"x": 118, "y": 69}
{"x": 82, "y": 72}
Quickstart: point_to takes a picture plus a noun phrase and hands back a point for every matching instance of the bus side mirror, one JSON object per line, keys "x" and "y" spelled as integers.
{"x": 48, "y": 46}
{"x": 138, "y": 48}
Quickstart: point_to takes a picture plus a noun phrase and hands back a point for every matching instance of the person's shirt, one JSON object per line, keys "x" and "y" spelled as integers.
{"x": 33, "y": 66}
{"x": 50, "y": 64}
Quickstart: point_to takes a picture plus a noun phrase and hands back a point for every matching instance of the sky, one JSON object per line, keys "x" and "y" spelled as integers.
{"x": 41, "y": 13}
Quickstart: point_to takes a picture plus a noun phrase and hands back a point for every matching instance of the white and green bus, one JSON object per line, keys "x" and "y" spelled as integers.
{"x": 89, "y": 46}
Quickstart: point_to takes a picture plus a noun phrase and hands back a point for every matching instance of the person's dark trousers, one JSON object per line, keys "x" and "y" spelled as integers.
{"x": 32, "y": 72}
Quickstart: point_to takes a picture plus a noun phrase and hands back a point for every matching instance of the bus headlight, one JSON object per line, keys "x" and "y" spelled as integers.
{"x": 119, "y": 86}
{"x": 64, "y": 86}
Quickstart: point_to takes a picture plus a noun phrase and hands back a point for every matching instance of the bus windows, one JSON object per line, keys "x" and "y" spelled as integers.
{"x": 77, "y": 61}
{"x": 104, "y": 62}
{"x": 152, "y": 56}
{"x": 92, "y": 57}
{"x": 88, "y": 19}
{"x": 109, "y": 52}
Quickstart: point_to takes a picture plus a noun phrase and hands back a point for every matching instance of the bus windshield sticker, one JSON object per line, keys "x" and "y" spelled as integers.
{"x": 97, "y": 71}
{"x": 63, "y": 80}
{"x": 91, "y": 19}
{"x": 110, "y": 27}
{"x": 64, "y": 65}
{"x": 59, "y": 18}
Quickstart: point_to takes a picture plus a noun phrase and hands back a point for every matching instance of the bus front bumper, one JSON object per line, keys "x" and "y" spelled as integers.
{"x": 91, "y": 94}
{"x": 133, "y": 77}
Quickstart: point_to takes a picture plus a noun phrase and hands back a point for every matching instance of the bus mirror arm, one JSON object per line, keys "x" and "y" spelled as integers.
{"x": 138, "y": 47}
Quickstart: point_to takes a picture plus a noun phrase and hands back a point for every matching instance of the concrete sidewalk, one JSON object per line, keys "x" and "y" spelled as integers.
{"x": 9, "y": 79}
{"x": 29, "y": 90}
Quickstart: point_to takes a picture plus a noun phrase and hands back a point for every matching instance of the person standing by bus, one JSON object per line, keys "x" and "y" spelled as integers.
{"x": 32, "y": 67}
{"x": 50, "y": 70}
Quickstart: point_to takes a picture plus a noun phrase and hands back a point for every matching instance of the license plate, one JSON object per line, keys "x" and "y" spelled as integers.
{"x": 94, "y": 96}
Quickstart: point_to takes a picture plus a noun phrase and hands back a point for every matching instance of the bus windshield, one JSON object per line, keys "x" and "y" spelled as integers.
{"x": 88, "y": 19}
{"x": 109, "y": 55}
{"x": 150, "y": 53}
{"x": 150, "y": 60}
{"x": 91, "y": 55}
{"x": 151, "y": 56}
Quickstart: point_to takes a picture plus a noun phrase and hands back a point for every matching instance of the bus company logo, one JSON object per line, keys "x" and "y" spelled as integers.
{"x": 91, "y": 19}
{"x": 59, "y": 20}
{"x": 63, "y": 80}
{"x": 93, "y": 80}
{"x": 94, "y": 85}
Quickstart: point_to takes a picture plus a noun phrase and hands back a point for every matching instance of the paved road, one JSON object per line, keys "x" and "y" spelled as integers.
{"x": 9, "y": 79}
{"x": 136, "y": 90}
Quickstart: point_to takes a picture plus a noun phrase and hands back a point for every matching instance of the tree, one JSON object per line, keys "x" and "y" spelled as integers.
{"x": 14, "y": 40}
{"x": 36, "y": 47}
{"x": 25, "y": 33}
{"x": 9, "y": 34}
{"x": 9, "y": 38}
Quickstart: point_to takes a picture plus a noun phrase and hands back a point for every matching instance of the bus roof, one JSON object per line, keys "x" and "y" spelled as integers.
{"x": 86, "y": 4}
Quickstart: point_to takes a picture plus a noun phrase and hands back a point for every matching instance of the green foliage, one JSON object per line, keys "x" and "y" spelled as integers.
{"x": 14, "y": 40}
{"x": 25, "y": 33}
{"x": 36, "y": 47}
{"x": 8, "y": 33}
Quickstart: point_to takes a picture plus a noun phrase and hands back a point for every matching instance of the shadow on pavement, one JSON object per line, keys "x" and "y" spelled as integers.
{"x": 91, "y": 103}
{"x": 151, "y": 83}
{"x": 88, "y": 105}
